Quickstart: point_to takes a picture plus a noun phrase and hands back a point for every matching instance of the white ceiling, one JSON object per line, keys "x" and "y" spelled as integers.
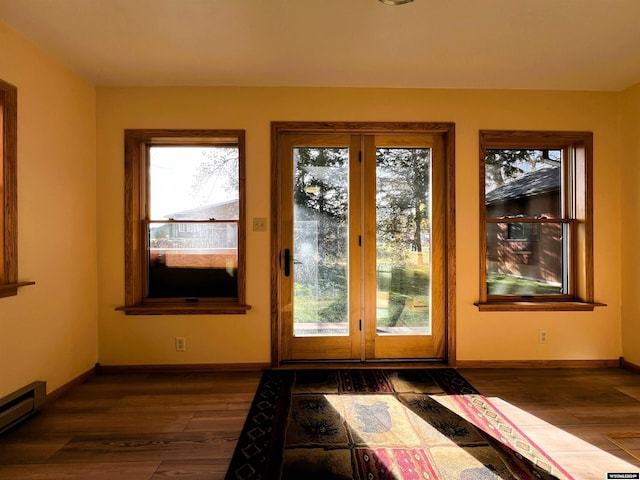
{"x": 519, "y": 44}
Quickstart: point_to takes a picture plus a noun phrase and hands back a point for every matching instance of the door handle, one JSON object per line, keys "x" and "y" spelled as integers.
{"x": 287, "y": 262}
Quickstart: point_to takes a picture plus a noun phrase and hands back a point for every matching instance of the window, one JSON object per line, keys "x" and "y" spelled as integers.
{"x": 523, "y": 232}
{"x": 8, "y": 192}
{"x": 536, "y": 221}
{"x": 184, "y": 214}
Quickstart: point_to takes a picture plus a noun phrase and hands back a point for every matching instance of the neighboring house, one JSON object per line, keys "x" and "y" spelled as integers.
{"x": 528, "y": 250}
{"x": 229, "y": 209}
{"x": 198, "y": 244}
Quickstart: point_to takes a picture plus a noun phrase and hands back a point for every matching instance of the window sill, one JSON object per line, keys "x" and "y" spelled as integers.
{"x": 11, "y": 289}
{"x": 185, "y": 309}
{"x": 548, "y": 306}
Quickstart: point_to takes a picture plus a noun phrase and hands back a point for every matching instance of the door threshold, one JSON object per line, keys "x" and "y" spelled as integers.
{"x": 370, "y": 364}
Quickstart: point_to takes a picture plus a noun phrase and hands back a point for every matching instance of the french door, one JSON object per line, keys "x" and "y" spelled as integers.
{"x": 361, "y": 267}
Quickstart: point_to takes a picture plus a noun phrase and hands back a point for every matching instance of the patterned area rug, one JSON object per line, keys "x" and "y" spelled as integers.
{"x": 381, "y": 424}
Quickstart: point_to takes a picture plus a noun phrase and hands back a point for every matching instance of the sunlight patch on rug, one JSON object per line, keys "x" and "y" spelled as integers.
{"x": 389, "y": 439}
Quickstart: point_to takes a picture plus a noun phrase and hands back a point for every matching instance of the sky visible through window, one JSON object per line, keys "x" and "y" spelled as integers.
{"x": 177, "y": 181}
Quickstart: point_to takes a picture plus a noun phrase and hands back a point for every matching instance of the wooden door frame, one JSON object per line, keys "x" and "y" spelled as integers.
{"x": 446, "y": 131}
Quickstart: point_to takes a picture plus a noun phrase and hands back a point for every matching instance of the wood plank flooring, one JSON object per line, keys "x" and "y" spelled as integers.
{"x": 159, "y": 426}
{"x": 134, "y": 427}
{"x": 569, "y": 413}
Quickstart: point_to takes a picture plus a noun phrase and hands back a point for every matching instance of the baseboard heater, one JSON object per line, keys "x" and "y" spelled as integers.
{"x": 21, "y": 404}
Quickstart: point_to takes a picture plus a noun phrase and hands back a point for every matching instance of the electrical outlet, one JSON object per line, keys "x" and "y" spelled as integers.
{"x": 542, "y": 336}
{"x": 180, "y": 344}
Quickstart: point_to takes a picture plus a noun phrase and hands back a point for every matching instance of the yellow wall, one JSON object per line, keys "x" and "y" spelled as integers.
{"x": 49, "y": 330}
{"x": 630, "y": 165}
{"x": 245, "y": 339}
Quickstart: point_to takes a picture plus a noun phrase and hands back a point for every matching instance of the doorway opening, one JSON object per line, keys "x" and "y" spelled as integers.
{"x": 363, "y": 259}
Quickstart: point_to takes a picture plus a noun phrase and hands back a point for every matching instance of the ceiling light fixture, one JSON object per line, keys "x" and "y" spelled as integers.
{"x": 395, "y": 2}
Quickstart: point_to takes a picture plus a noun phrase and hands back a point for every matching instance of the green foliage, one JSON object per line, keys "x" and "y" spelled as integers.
{"x": 405, "y": 284}
{"x": 320, "y": 193}
{"x": 402, "y": 200}
{"x": 321, "y": 180}
{"x": 329, "y": 302}
{"x": 501, "y": 284}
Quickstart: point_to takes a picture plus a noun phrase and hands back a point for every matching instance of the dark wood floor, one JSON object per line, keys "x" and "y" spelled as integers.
{"x": 134, "y": 427}
{"x": 159, "y": 426}
{"x": 571, "y": 413}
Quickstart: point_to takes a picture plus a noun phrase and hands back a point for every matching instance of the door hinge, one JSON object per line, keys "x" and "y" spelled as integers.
{"x": 359, "y": 240}
{"x": 360, "y": 325}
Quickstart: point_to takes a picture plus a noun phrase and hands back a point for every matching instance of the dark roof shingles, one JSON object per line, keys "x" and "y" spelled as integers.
{"x": 541, "y": 181}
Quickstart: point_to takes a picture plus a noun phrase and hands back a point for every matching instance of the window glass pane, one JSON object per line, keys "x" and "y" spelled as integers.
{"x": 320, "y": 241}
{"x": 523, "y": 183}
{"x": 403, "y": 226}
{"x": 525, "y": 258}
{"x": 523, "y": 231}
{"x": 193, "y": 260}
{"x": 193, "y": 183}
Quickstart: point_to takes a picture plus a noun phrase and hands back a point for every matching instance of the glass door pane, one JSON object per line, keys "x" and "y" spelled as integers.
{"x": 404, "y": 244}
{"x": 320, "y": 261}
{"x": 320, "y": 241}
{"x": 403, "y": 247}
{"x": 361, "y": 257}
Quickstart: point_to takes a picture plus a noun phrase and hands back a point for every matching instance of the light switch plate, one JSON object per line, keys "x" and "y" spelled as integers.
{"x": 260, "y": 224}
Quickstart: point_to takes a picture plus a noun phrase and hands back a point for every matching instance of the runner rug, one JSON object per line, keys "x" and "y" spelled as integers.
{"x": 381, "y": 424}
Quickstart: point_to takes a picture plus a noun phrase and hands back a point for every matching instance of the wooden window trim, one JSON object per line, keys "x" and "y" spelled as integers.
{"x": 578, "y": 211}
{"x": 538, "y": 306}
{"x": 9, "y": 283}
{"x": 136, "y": 143}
